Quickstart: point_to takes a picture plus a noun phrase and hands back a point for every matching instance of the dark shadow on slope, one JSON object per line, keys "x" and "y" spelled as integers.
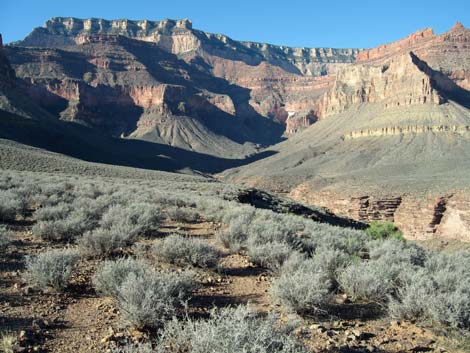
{"x": 113, "y": 111}
{"x": 86, "y": 144}
{"x": 447, "y": 88}
{"x": 261, "y": 199}
{"x": 247, "y": 126}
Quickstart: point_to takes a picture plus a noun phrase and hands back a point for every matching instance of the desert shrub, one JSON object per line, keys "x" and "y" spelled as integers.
{"x": 52, "y": 268}
{"x": 182, "y": 214}
{"x": 53, "y": 213}
{"x": 414, "y": 298}
{"x": 90, "y": 191}
{"x": 142, "y": 218}
{"x": 440, "y": 291}
{"x": 270, "y": 255}
{"x": 383, "y": 230}
{"x": 6, "y": 236}
{"x": 66, "y": 229}
{"x": 10, "y": 206}
{"x": 238, "y": 220}
{"x": 226, "y": 331}
{"x": 301, "y": 288}
{"x": 397, "y": 251}
{"x": 330, "y": 262}
{"x": 146, "y": 297}
{"x": 148, "y": 300}
{"x": 316, "y": 235}
{"x": 183, "y": 250}
{"x": 7, "y": 182}
{"x": 373, "y": 280}
{"x": 212, "y": 209}
{"x": 94, "y": 208}
{"x": 111, "y": 274}
{"x": 24, "y": 196}
{"x": 54, "y": 193}
{"x": 232, "y": 238}
{"x": 105, "y": 241}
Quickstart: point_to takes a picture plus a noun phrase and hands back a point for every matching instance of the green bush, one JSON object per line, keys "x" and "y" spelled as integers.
{"x": 383, "y": 230}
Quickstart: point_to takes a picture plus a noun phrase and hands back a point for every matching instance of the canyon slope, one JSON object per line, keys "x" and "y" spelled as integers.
{"x": 392, "y": 141}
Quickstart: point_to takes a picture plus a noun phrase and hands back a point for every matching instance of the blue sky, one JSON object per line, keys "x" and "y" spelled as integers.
{"x": 325, "y": 23}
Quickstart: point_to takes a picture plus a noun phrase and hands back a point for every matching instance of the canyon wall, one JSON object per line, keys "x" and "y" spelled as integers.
{"x": 282, "y": 81}
{"x": 420, "y": 217}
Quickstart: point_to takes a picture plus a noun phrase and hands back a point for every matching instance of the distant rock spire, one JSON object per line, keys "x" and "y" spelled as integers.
{"x": 458, "y": 25}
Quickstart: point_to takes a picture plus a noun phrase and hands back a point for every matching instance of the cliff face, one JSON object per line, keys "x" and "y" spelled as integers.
{"x": 423, "y": 68}
{"x": 281, "y": 80}
{"x": 404, "y": 80}
{"x": 179, "y": 37}
{"x": 448, "y": 53}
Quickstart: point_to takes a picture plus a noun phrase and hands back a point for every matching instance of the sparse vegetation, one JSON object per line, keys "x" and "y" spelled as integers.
{"x": 51, "y": 268}
{"x": 310, "y": 265}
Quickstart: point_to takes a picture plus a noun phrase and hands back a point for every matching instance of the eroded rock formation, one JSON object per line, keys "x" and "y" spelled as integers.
{"x": 420, "y": 217}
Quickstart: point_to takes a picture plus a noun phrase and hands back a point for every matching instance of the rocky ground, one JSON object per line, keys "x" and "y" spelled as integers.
{"x": 81, "y": 321}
